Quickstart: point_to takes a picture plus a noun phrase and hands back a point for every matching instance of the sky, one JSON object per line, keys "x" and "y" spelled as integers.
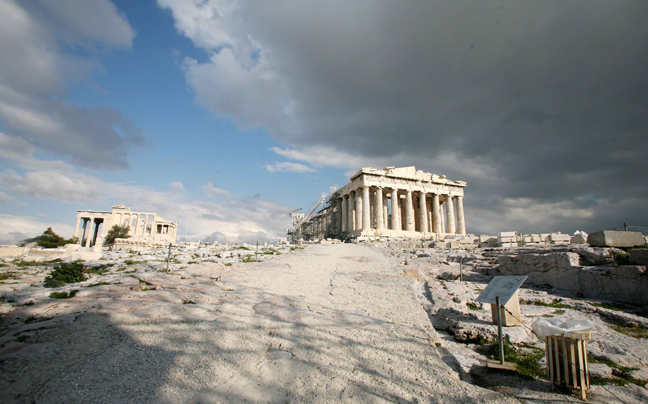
{"x": 227, "y": 115}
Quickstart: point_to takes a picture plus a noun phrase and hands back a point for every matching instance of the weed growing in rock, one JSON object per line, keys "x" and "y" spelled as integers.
{"x": 606, "y": 306}
{"x": 635, "y": 332}
{"x": 8, "y": 275}
{"x": 474, "y": 306}
{"x": 621, "y": 374}
{"x": 71, "y": 272}
{"x": 621, "y": 258}
{"x": 526, "y": 356}
{"x": 555, "y": 303}
{"x": 97, "y": 284}
{"x": 63, "y": 295}
{"x": 21, "y": 263}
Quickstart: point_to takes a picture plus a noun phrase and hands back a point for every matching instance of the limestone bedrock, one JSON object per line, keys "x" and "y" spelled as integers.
{"x": 329, "y": 323}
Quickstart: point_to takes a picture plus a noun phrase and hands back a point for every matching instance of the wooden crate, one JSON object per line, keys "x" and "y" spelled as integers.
{"x": 567, "y": 361}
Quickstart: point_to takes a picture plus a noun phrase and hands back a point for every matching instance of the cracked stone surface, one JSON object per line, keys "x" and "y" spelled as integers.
{"x": 324, "y": 324}
{"x": 329, "y": 323}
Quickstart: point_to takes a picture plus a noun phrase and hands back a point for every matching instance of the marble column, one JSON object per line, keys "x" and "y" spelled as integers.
{"x": 394, "y": 213}
{"x": 423, "y": 212}
{"x": 451, "y": 215}
{"x": 76, "y": 228}
{"x": 358, "y": 211}
{"x": 85, "y": 229}
{"x": 96, "y": 233}
{"x": 366, "y": 212}
{"x": 385, "y": 212}
{"x": 461, "y": 220}
{"x": 436, "y": 213}
{"x": 379, "y": 208}
{"x": 351, "y": 212}
{"x": 443, "y": 218}
{"x": 345, "y": 207}
{"x": 90, "y": 223}
{"x": 409, "y": 211}
{"x": 338, "y": 224}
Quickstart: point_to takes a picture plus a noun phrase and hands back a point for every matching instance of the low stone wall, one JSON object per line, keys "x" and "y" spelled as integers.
{"x": 589, "y": 272}
{"x": 12, "y": 251}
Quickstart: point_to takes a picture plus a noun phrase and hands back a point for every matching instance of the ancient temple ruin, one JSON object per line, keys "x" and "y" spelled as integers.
{"x": 393, "y": 202}
{"x": 144, "y": 227}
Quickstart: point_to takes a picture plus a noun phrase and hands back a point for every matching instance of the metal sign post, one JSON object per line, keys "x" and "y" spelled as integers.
{"x": 168, "y": 257}
{"x": 498, "y": 292}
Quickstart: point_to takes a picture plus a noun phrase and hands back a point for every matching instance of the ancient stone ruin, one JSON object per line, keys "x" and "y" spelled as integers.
{"x": 144, "y": 227}
{"x": 393, "y": 202}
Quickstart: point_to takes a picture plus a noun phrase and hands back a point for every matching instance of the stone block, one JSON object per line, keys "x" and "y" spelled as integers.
{"x": 611, "y": 238}
{"x": 557, "y": 238}
{"x": 578, "y": 239}
{"x": 506, "y": 234}
{"x": 639, "y": 256}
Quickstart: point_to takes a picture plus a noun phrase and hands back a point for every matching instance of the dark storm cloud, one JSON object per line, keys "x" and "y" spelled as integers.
{"x": 549, "y": 98}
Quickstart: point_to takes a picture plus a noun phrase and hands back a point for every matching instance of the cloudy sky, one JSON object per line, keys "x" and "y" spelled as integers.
{"x": 227, "y": 115}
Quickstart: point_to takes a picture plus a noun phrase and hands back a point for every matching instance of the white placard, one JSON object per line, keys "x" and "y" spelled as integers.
{"x": 502, "y": 286}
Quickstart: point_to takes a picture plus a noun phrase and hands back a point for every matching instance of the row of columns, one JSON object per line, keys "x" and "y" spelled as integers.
{"x": 88, "y": 237}
{"x": 357, "y": 209}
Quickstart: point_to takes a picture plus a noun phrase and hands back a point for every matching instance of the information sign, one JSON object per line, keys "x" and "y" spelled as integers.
{"x": 502, "y": 286}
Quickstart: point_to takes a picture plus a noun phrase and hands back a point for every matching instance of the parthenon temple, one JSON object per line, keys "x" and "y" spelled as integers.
{"x": 93, "y": 226}
{"x": 393, "y": 202}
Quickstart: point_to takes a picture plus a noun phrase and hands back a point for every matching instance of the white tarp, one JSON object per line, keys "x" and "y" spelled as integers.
{"x": 546, "y": 327}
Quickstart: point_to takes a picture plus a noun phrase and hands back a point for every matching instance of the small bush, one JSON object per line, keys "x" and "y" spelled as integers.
{"x": 66, "y": 273}
{"x": 474, "y": 306}
{"x": 63, "y": 295}
{"x": 49, "y": 239}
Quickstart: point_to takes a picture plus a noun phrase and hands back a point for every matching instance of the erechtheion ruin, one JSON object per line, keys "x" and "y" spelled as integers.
{"x": 93, "y": 226}
{"x": 393, "y": 202}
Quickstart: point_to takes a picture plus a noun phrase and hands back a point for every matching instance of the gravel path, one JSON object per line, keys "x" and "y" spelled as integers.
{"x": 332, "y": 323}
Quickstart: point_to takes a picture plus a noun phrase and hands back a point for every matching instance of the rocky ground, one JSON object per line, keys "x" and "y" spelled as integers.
{"x": 383, "y": 322}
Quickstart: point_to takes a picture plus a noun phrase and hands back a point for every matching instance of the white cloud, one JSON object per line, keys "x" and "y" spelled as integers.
{"x": 37, "y": 41}
{"x": 51, "y": 185}
{"x": 176, "y": 186}
{"x": 210, "y": 190}
{"x": 289, "y": 168}
{"x": 18, "y": 228}
{"x": 4, "y": 198}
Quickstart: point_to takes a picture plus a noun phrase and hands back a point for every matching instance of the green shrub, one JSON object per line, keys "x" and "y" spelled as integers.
{"x": 71, "y": 272}
{"x": 115, "y": 232}
{"x": 63, "y": 295}
{"x": 49, "y": 239}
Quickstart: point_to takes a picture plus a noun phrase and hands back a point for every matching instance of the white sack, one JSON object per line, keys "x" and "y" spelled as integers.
{"x": 546, "y": 327}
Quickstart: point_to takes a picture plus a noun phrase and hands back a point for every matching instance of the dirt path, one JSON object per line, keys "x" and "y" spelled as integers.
{"x": 324, "y": 324}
